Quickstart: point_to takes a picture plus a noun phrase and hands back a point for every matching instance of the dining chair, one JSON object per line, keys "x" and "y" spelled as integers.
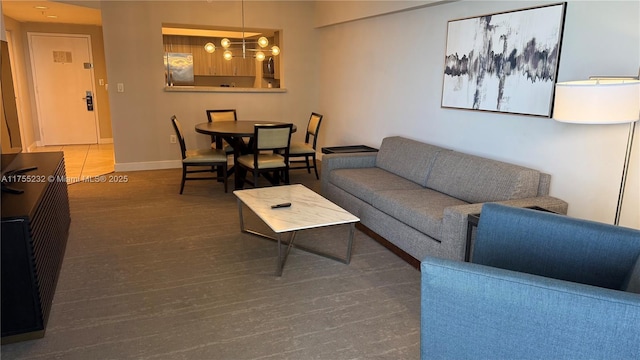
{"x": 271, "y": 144}
{"x": 221, "y": 115}
{"x": 307, "y": 149}
{"x": 213, "y": 159}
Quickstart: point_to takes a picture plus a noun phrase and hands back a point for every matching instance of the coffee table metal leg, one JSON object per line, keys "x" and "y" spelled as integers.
{"x": 352, "y": 229}
{"x": 283, "y": 259}
{"x": 345, "y": 260}
{"x": 240, "y": 216}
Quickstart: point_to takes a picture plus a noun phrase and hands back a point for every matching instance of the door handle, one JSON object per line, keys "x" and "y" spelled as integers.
{"x": 89, "y": 100}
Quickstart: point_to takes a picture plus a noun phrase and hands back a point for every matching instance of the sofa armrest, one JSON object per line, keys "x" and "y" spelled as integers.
{"x": 472, "y": 311}
{"x": 550, "y": 203}
{"x": 456, "y": 219}
{"x": 331, "y": 162}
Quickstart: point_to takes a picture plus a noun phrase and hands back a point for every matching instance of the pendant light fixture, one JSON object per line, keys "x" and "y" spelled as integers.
{"x": 227, "y": 44}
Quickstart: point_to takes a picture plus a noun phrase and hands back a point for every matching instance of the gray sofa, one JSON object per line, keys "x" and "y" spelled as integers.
{"x": 418, "y": 196}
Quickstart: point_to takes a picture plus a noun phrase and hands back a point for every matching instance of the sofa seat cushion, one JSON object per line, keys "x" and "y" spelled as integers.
{"x": 363, "y": 182}
{"x": 477, "y": 180}
{"x": 421, "y": 209}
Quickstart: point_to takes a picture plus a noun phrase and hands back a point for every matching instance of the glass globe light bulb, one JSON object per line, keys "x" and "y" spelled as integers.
{"x": 227, "y": 55}
{"x": 263, "y": 42}
{"x": 225, "y": 43}
{"x": 260, "y": 56}
{"x": 275, "y": 50}
{"x": 209, "y": 47}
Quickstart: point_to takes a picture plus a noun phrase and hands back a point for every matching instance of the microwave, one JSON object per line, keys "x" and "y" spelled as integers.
{"x": 268, "y": 68}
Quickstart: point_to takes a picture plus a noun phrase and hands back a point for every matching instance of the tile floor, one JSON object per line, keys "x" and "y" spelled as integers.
{"x": 83, "y": 161}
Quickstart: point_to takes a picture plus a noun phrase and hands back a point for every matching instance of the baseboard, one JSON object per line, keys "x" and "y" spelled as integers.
{"x": 39, "y": 143}
{"x": 32, "y": 147}
{"x": 393, "y": 248}
{"x": 151, "y": 165}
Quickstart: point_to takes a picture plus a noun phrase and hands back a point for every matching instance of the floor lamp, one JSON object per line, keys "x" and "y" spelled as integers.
{"x": 601, "y": 100}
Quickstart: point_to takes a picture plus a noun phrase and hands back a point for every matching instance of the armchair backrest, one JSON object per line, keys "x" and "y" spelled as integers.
{"x": 556, "y": 246}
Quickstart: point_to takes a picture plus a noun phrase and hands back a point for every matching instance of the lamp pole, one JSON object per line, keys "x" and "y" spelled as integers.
{"x": 625, "y": 170}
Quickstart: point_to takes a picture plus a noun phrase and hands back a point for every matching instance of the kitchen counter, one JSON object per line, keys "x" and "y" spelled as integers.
{"x": 222, "y": 89}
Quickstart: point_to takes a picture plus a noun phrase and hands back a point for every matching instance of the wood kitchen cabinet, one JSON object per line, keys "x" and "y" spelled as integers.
{"x": 244, "y": 67}
{"x": 204, "y": 64}
{"x": 218, "y": 66}
{"x": 177, "y": 44}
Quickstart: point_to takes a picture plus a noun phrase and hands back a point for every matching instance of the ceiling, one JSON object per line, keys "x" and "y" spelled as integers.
{"x": 65, "y": 13}
{"x": 88, "y": 13}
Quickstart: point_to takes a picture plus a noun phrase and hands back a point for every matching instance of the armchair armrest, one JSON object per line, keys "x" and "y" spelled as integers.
{"x": 331, "y": 162}
{"x": 472, "y": 311}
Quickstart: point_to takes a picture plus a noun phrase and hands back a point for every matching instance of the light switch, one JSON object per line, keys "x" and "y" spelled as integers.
{"x": 120, "y": 87}
{"x": 101, "y": 82}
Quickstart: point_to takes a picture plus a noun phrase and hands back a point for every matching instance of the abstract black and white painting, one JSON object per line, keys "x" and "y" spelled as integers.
{"x": 505, "y": 62}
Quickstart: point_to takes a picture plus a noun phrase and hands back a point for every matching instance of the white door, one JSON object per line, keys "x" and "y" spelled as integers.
{"x": 63, "y": 81}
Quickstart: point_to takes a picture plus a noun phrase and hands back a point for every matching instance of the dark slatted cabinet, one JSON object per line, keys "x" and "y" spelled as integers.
{"x": 35, "y": 228}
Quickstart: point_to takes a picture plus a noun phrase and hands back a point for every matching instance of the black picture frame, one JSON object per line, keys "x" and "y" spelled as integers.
{"x": 504, "y": 62}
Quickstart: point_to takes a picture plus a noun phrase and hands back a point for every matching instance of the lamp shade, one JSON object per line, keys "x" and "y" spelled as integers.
{"x": 597, "y": 101}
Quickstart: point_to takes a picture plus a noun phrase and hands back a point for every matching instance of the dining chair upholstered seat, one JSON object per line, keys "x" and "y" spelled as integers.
{"x": 270, "y": 153}
{"x": 200, "y": 156}
{"x": 200, "y": 160}
{"x": 306, "y": 149}
{"x": 265, "y": 161}
{"x": 221, "y": 115}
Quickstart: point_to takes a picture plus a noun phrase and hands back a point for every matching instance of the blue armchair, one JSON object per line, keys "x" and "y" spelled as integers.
{"x": 540, "y": 286}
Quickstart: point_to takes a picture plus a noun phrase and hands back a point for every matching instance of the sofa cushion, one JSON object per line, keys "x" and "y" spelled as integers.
{"x": 363, "y": 182}
{"x": 421, "y": 209}
{"x": 475, "y": 179}
{"x": 408, "y": 158}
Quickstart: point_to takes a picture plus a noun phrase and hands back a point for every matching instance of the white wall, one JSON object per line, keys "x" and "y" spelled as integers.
{"x": 382, "y": 76}
{"x": 326, "y": 12}
{"x": 19, "y": 69}
{"x": 134, "y": 50}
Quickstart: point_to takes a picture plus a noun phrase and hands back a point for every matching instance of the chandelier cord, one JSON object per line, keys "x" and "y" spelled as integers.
{"x": 243, "y": 41}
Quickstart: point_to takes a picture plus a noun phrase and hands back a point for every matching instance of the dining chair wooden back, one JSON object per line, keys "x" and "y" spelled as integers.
{"x": 270, "y": 153}
{"x": 194, "y": 161}
{"x": 221, "y": 115}
{"x": 307, "y": 149}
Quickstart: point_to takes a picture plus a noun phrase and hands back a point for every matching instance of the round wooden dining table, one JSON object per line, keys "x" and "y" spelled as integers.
{"x": 234, "y": 132}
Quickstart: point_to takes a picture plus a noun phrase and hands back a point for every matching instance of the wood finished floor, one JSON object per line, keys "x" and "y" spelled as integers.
{"x": 151, "y": 274}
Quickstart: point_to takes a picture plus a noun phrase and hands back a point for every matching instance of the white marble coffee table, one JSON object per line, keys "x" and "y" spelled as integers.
{"x": 308, "y": 210}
